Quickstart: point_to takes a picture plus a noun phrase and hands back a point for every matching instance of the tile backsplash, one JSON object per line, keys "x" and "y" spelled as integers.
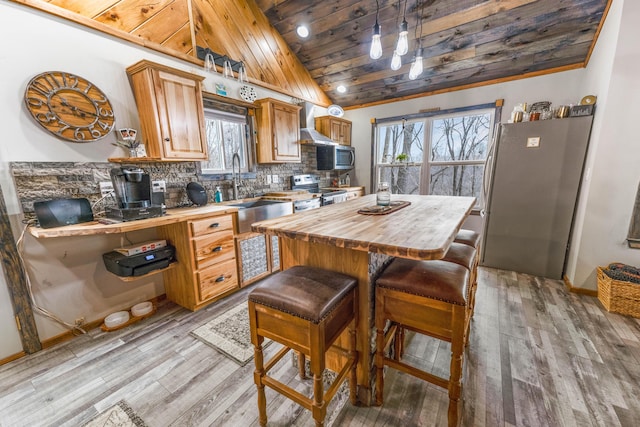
{"x": 38, "y": 181}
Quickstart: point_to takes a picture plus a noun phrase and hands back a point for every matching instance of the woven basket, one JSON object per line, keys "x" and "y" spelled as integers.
{"x": 618, "y": 296}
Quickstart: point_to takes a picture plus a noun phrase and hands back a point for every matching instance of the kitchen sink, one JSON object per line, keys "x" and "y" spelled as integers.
{"x": 258, "y": 210}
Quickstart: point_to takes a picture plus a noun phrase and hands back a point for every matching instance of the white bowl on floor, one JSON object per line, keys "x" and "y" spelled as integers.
{"x": 116, "y": 319}
{"x": 142, "y": 308}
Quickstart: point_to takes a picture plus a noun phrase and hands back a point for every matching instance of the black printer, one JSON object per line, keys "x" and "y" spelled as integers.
{"x": 139, "y": 264}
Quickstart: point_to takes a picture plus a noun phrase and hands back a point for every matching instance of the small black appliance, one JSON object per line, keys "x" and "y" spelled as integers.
{"x": 132, "y": 187}
{"x": 59, "y": 212}
{"x": 197, "y": 194}
{"x": 139, "y": 264}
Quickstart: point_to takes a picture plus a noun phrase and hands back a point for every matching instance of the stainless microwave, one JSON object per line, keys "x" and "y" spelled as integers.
{"x": 335, "y": 157}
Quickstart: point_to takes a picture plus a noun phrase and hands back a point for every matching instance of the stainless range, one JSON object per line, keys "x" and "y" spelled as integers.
{"x": 311, "y": 183}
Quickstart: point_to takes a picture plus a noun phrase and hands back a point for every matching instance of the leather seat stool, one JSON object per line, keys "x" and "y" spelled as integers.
{"x": 471, "y": 238}
{"x": 305, "y": 309}
{"x": 430, "y": 298}
{"x": 468, "y": 237}
{"x": 464, "y": 255}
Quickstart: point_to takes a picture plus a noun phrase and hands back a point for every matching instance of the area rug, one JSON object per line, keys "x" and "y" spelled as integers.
{"x": 230, "y": 334}
{"x": 120, "y": 415}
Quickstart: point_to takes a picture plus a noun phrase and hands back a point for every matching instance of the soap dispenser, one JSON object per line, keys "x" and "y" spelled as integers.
{"x": 347, "y": 181}
{"x": 218, "y": 195}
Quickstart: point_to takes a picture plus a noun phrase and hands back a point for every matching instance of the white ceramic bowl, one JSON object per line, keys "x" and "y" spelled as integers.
{"x": 142, "y": 308}
{"x": 116, "y": 319}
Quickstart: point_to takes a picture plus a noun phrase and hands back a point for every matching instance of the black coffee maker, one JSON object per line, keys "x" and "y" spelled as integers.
{"x": 132, "y": 187}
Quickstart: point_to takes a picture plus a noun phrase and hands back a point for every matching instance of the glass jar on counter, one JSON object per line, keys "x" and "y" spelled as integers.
{"x": 383, "y": 195}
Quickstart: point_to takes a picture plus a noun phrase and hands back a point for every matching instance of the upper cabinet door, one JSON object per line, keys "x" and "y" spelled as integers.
{"x": 335, "y": 128}
{"x": 278, "y": 131}
{"x": 171, "y": 111}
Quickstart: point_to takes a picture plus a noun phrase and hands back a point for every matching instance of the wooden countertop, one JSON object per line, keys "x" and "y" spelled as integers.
{"x": 95, "y": 228}
{"x": 422, "y": 230}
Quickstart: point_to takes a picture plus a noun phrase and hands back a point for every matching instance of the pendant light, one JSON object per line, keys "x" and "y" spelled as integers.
{"x": 417, "y": 66}
{"x": 403, "y": 43}
{"x": 396, "y": 61}
{"x": 376, "y": 44}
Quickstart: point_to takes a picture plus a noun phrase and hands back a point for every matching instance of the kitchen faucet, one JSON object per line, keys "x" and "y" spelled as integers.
{"x": 235, "y": 177}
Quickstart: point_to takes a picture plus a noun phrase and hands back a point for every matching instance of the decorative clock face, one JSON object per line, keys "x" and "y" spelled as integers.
{"x": 69, "y": 107}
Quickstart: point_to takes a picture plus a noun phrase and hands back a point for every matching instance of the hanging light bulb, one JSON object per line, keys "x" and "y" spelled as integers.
{"x": 416, "y": 66}
{"x": 403, "y": 43}
{"x": 376, "y": 44}
{"x": 396, "y": 61}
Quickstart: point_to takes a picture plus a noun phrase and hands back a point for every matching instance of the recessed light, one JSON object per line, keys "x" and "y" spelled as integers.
{"x": 341, "y": 89}
{"x": 302, "y": 31}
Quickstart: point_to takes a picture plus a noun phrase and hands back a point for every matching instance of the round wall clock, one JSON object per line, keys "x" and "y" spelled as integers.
{"x": 69, "y": 107}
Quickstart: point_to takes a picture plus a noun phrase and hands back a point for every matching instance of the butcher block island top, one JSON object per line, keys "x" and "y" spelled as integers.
{"x": 422, "y": 230}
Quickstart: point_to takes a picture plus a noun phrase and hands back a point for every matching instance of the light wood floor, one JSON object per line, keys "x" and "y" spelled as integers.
{"x": 538, "y": 356}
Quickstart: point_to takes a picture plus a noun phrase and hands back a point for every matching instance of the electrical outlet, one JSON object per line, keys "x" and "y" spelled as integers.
{"x": 268, "y": 179}
{"x": 106, "y": 187}
{"x": 159, "y": 186}
{"x": 275, "y": 179}
{"x": 80, "y": 321}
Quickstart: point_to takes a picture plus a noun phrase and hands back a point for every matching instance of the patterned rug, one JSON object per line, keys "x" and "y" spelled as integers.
{"x": 230, "y": 334}
{"x": 120, "y": 415}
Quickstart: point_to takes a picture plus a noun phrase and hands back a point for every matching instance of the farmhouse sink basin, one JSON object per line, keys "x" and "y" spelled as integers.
{"x": 258, "y": 210}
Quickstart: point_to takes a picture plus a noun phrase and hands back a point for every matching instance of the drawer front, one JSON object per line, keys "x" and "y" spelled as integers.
{"x": 213, "y": 248}
{"x": 210, "y": 225}
{"x": 217, "y": 279}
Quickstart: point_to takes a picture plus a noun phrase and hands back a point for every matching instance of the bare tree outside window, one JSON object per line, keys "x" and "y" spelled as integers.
{"x": 452, "y": 164}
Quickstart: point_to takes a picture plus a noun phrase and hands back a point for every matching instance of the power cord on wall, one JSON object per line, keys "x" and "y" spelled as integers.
{"x": 36, "y": 307}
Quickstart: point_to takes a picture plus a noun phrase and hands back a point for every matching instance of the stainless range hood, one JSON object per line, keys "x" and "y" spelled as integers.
{"x": 308, "y": 133}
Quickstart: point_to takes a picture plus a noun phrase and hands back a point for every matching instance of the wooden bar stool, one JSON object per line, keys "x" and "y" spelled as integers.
{"x": 305, "y": 309}
{"x": 473, "y": 239}
{"x": 430, "y": 298}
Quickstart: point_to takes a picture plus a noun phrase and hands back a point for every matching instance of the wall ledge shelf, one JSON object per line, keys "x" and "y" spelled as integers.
{"x": 151, "y": 273}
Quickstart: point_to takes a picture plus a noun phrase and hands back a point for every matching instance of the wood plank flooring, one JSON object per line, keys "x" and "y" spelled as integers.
{"x": 538, "y": 356}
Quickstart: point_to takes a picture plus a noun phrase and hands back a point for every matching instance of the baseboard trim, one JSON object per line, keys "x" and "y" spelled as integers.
{"x": 581, "y": 291}
{"x": 12, "y": 358}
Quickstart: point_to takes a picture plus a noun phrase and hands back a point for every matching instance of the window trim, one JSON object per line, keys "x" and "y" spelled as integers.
{"x": 233, "y": 106}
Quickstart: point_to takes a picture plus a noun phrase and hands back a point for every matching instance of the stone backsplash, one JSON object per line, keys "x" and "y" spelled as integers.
{"x": 38, "y": 181}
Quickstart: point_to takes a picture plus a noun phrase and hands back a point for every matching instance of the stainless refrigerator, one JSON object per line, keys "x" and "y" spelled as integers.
{"x": 533, "y": 176}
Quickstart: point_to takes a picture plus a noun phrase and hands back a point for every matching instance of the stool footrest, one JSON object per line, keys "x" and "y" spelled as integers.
{"x": 287, "y": 391}
{"x": 425, "y": 376}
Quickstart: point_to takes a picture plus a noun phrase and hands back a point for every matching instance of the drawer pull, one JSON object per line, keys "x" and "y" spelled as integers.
{"x": 220, "y": 279}
{"x": 216, "y": 249}
{"x": 215, "y": 225}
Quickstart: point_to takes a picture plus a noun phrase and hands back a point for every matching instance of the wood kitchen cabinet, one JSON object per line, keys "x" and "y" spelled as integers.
{"x": 335, "y": 128}
{"x": 278, "y": 126}
{"x": 258, "y": 256}
{"x": 206, "y": 268}
{"x": 171, "y": 112}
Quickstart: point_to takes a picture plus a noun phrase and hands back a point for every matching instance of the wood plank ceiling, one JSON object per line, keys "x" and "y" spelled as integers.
{"x": 465, "y": 42}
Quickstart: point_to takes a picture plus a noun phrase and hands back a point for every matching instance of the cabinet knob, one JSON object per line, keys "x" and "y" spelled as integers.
{"x": 167, "y": 140}
{"x": 216, "y": 249}
{"x": 214, "y": 225}
{"x": 220, "y": 279}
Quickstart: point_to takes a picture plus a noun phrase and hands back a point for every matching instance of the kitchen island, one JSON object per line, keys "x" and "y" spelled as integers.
{"x": 340, "y": 239}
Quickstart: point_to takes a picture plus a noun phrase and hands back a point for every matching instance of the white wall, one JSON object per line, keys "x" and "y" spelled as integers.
{"x": 610, "y": 194}
{"x": 68, "y": 275}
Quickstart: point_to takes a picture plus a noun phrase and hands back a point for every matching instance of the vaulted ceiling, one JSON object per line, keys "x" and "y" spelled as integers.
{"x": 466, "y": 42}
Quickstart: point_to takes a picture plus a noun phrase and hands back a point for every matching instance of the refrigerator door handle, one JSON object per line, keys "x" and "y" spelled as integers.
{"x": 486, "y": 178}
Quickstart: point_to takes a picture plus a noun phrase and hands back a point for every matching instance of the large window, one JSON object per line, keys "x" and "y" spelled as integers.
{"x": 437, "y": 154}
